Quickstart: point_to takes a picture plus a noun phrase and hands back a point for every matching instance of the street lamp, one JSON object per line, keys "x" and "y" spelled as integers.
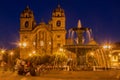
{"x": 22, "y": 44}
{"x": 10, "y": 59}
{"x": 23, "y": 49}
{"x": 1, "y": 55}
{"x": 92, "y": 54}
{"x": 106, "y": 46}
{"x": 11, "y": 53}
{"x": 34, "y": 52}
{"x": 30, "y": 55}
{"x": 2, "y": 51}
{"x": 61, "y": 49}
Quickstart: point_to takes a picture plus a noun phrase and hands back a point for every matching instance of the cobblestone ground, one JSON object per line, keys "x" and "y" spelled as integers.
{"x": 64, "y": 75}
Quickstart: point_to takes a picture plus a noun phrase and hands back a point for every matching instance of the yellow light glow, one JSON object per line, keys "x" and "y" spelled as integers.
{"x": 20, "y": 44}
{"x": 11, "y": 53}
{"x": 34, "y": 43}
{"x": 119, "y": 54}
{"x": 49, "y": 43}
{"x": 106, "y": 46}
{"x": 2, "y": 51}
{"x": 30, "y": 54}
{"x": 61, "y": 49}
{"x": 41, "y": 43}
{"x": 92, "y": 54}
{"x": 24, "y": 44}
{"x": 34, "y": 52}
{"x": 109, "y": 46}
{"x": 110, "y": 55}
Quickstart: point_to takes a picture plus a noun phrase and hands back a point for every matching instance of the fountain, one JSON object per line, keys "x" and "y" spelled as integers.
{"x": 87, "y": 54}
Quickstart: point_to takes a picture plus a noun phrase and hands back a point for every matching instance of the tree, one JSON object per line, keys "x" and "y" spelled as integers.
{"x": 59, "y": 58}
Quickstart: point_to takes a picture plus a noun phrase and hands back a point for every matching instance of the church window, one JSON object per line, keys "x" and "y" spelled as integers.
{"x": 58, "y": 36}
{"x": 41, "y": 43}
{"x": 26, "y": 24}
{"x": 58, "y": 23}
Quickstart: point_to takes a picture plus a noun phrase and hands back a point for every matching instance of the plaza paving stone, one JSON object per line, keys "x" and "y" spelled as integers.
{"x": 64, "y": 75}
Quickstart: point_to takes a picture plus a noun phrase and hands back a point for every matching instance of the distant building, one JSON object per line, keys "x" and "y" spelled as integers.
{"x": 115, "y": 55}
{"x": 42, "y": 37}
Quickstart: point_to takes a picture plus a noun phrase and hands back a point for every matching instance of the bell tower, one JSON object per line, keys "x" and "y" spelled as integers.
{"x": 58, "y": 27}
{"x": 58, "y": 19}
{"x": 27, "y": 24}
{"x": 27, "y": 21}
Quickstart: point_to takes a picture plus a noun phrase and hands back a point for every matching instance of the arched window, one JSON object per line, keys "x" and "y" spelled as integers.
{"x": 26, "y": 24}
{"x": 58, "y": 23}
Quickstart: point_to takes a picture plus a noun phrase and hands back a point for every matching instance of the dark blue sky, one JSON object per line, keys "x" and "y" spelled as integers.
{"x": 103, "y": 16}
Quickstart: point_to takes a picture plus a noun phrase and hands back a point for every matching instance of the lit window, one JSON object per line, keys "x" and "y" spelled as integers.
{"x": 41, "y": 43}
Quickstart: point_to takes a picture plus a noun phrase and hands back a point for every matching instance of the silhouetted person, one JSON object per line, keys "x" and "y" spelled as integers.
{"x": 21, "y": 70}
{"x": 32, "y": 70}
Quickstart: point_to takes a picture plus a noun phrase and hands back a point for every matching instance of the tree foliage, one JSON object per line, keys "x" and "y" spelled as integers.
{"x": 52, "y": 59}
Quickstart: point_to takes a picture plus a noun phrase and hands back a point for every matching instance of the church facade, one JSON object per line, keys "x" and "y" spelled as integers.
{"x": 41, "y": 38}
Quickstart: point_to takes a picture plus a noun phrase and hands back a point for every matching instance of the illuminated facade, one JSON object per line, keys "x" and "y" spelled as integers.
{"x": 115, "y": 58}
{"x": 42, "y": 37}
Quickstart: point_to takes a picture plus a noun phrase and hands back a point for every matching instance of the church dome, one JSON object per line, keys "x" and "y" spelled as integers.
{"x": 28, "y": 13}
{"x": 58, "y": 12}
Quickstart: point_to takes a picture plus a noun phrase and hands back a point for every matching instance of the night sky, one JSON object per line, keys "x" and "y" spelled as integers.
{"x": 103, "y": 16}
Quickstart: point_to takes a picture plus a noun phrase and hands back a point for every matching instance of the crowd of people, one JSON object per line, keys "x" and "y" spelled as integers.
{"x": 27, "y": 68}
{"x": 21, "y": 67}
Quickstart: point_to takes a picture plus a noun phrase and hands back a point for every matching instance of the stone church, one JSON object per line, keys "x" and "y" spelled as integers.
{"x": 41, "y": 38}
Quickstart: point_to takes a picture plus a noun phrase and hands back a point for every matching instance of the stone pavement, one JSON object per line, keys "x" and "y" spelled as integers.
{"x": 65, "y": 75}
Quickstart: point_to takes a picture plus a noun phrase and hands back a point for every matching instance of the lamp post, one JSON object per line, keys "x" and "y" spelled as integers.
{"x": 2, "y": 51}
{"x": 23, "y": 49}
{"x": 106, "y": 47}
{"x": 22, "y": 44}
{"x": 11, "y": 54}
{"x": 10, "y": 60}
{"x": 1, "y": 55}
